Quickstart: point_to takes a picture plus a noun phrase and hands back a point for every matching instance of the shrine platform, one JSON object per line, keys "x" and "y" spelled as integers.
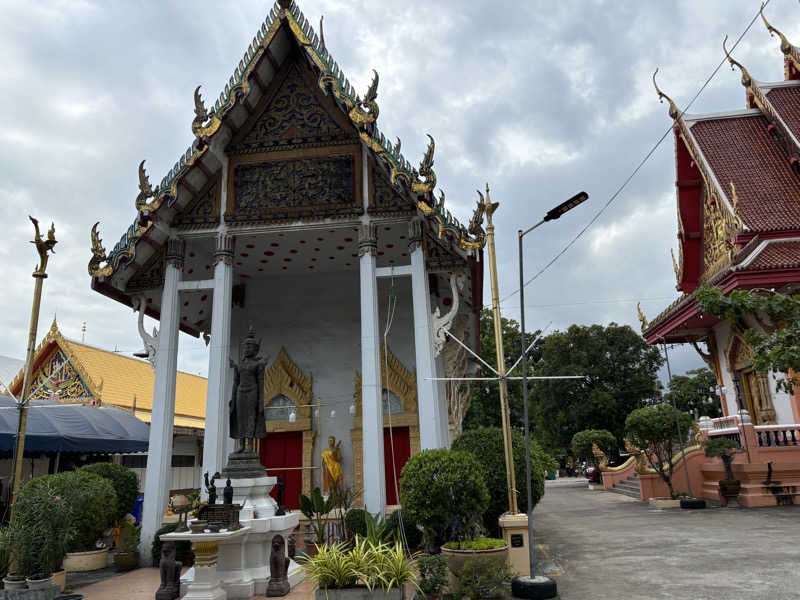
{"x": 141, "y": 584}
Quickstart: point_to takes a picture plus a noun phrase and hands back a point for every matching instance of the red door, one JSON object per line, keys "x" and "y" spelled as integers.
{"x": 402, "y": 452}
{"x": 282, "y": 454}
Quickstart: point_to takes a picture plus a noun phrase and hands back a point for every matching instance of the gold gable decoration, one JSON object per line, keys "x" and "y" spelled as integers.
{"x": 399, "y": 380}
{"x": 283, "y": 377}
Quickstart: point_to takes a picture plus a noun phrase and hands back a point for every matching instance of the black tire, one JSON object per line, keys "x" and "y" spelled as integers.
{"x": 693, "y": 503}
{"x": 537, "y": 588}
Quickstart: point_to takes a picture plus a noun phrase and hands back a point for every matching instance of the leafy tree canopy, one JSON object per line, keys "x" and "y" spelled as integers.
{"x": 770, "y": 322}
{"x": 583, "y": 441}
{"x": 621, "y": 375}
{"x": 484, "y": 411}
{"x": 694, "y": 392}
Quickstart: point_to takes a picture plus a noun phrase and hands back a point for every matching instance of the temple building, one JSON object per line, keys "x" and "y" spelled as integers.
{"x": 738, "y": 196}
{"x": 72, "y": 372}
{"x": 293, "y": 216}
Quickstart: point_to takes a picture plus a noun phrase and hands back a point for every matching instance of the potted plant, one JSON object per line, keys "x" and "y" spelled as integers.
{"x": 725, "y": 448}
{"x": 126, "y": 556}
{"x": 357, "y": 570}
{"x": 316, "y": 508}
{"x": 39, "y": 534}
{"x": 432, "y": 575}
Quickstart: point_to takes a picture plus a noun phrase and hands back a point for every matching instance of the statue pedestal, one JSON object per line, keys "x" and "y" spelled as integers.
{"x": 243, "y": 562}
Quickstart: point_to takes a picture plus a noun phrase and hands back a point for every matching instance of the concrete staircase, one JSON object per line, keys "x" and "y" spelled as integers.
{"x": 629, "y": 487}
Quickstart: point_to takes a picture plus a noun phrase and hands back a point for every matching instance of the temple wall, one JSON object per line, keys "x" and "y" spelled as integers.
{"x": 317, "y": 319}
{"x": 722, "y": 332}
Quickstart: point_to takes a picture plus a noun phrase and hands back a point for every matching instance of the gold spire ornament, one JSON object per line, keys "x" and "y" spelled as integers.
{"x": 746, "y": 79}
{"x": 487, "y": 207}
{"x": 789, "y": 50}
{"x": 642, "y": 318}
{"x": 673, "y": 108}
{"x": 420, "y": 186}
{"x": 43, "y": 247}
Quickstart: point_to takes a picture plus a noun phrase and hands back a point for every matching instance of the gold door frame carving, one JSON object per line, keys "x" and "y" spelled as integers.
{"x": 754, "y": 385}
{"x": 285, "y": 378}
{"x": 403, "y": 384}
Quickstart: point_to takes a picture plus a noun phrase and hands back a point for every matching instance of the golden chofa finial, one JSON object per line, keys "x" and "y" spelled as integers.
{"x": 488, "y": 206}
{"x": 746, "y": 79}
{"x": 642, "y": 318}
{"x": 786, "y": 46}
{"x": 673, "y": 109}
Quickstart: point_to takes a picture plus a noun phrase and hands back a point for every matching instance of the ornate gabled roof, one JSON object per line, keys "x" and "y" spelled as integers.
{"x": 74, "y": 372}
{"x": 362, "y": 113}
{"x": 790, "y": 51}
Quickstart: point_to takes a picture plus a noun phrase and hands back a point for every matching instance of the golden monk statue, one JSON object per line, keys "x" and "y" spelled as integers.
{"x": 332, "y": 459}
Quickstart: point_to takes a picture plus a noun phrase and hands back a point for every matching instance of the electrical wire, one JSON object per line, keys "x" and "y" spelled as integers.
{"x": 639, "y": 166}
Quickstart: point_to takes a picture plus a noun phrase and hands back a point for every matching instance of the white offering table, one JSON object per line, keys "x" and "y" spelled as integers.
{"x": 205, "y": 584}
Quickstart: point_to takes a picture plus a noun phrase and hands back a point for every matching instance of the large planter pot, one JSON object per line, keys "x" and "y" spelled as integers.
{"x": 86, "y": 561}
{"x": 60, "y": 579}
{"x": 14, "y": 584}
{"x": 664, "y": 503}
{"x": 40, "y": 584}
{"x": 457, "y": 558}
{"x": 126, "y": 561}
{"x": 357, "y": 593}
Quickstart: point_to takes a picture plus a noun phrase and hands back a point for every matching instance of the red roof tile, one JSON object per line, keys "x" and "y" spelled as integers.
{"x": 742, "y": 151}
{"x": 786, "y": 101}
{"x": 778, "y": 255}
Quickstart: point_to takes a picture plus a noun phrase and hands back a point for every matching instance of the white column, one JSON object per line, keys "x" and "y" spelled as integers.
{"x": 215, "y": 442}
{"x": 371, "y": 396}
{"x": 427, "y": 389}
{"x": 441, "y": 390}
{"x": 159, "y": 457}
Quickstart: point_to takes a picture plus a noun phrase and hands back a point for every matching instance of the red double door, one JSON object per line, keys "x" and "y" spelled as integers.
{"x": 400, "y": 441}
{"x": 282, "y": 454}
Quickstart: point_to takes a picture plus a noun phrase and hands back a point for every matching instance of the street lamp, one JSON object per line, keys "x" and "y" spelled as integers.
{"x": 541, "y": 585}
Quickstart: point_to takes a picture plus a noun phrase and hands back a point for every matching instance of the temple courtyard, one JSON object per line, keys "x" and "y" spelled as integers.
{"x": 601, "y": 545}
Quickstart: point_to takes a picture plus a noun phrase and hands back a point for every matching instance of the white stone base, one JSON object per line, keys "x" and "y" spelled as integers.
{"x": 243, "y": 562}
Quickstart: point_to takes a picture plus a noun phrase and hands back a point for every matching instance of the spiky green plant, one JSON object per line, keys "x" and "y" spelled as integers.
{"x": 331, "y": 567}
{"x": 396, "y": 569}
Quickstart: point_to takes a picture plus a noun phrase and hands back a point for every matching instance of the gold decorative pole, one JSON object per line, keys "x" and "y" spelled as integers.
{"x": 39, "y": 275}
{"x": 501, "y": 362}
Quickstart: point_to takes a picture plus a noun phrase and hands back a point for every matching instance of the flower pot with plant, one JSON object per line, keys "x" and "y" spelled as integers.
{"x": 126, "y": 556}
{"x": 725, "y": 448}
{"x": 39, "y": 533}
{"x": 432, "y": 575}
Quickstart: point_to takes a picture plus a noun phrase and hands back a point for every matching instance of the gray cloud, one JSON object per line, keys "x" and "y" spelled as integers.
{"x": 541, "y": 99}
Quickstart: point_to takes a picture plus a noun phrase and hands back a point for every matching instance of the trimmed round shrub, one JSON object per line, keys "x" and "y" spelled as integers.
{"x": 91, "y": 499}
{"x": 486, "y": 445}
{"x": 356, "y": 522}
{"x": 583, "y": 440}
{"x": 411, "y": 531}
{"x": 445, "y": 492}
{"x": 125, "y": 482}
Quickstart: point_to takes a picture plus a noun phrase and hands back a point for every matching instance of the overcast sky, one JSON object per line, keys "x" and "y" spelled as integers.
{"x": 540, "y": 99}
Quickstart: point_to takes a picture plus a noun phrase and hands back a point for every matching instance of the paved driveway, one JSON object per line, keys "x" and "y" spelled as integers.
{"x": 601, "y": 545}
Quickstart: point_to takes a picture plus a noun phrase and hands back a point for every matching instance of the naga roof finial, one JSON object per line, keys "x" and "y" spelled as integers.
{"x": 746, "y": 79}
{"x": 673, "y": 109}
{"x": 145, "y": 189}
{"x": 201, "y": 115}
{"x": 366, "y": 111}
{"x": 642, "y": 318}
{"x": 786, "y": 46}
{"x": 426, "y": 170}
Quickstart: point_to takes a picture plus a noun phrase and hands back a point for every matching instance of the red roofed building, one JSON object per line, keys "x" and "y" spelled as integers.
{"x": 738, "y": 192}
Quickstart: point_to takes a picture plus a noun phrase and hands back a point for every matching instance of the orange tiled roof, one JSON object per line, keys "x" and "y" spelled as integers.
{"x": 786, "y": 101}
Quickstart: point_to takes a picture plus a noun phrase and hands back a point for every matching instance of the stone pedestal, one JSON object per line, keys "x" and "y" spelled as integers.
{"x": 205, "y": 583}
{"x": 242, "y": 565}
{"x": 515, "y": 533}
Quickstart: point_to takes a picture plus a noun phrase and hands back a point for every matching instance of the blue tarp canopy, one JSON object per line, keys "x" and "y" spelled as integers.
{"x": 56, "y": 427}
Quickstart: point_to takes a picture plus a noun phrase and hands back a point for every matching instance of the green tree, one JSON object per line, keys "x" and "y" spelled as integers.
{"x": 653, "y": 429}
{"x": 484, "y": 410}
{"x": 694, "y": 392}
{"x": 620, "y": 372}
{"x": 775, "y": 339}
{"x": 583, "y": 441}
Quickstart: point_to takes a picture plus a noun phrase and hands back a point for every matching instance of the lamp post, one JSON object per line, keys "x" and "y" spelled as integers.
{"x": 43, "y": 247}
{"x": 530, "y": 583}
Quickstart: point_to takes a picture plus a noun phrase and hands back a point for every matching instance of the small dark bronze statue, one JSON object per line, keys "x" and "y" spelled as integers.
{"x": 211, "y": 488}
{"x": 170, "y": 568}
{"x": 278, "y": 569}
{"x": 227, "y": 493}
{"x": 280, "y": 512}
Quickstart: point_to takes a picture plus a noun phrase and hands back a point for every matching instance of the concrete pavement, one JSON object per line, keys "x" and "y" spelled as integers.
{"x": 601, "y": 545}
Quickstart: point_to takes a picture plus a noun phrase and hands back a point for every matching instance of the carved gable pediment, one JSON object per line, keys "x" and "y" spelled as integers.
{"x": 385, "y": 200}
{"x": 202, "y": 210}
{"x": 397, "y": 380}
{"x": 150, "y": 275}
{"x": 284, "y": 378}
{"x": 294, "y": 115}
